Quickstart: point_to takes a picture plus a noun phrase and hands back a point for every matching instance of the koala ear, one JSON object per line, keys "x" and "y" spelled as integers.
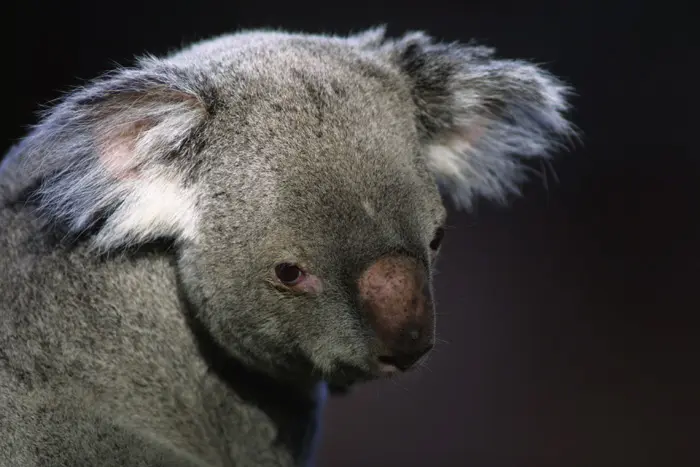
{"x": 115, "y": 156}
{"x": 372, "y": 38}
{"x": 479, "y": 117}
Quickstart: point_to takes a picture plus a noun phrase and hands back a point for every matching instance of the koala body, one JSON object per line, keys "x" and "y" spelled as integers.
{"x": 194, "y": 247}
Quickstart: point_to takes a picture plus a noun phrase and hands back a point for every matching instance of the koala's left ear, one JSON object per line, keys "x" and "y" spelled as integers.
{"x": 478, "y": 115}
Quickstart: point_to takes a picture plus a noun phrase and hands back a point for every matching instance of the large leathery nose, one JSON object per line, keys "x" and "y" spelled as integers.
{"x": 397, "y": 301}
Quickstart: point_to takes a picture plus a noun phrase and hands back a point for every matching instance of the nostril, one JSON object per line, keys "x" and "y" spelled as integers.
{"x": 413, "y": 332}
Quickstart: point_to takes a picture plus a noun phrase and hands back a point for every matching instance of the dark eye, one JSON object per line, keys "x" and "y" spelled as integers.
{"x": 437, "y": 239}
{"x": 288, "y": 274}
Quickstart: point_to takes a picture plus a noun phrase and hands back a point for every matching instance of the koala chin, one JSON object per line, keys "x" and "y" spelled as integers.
{"x": 195, "y": 245}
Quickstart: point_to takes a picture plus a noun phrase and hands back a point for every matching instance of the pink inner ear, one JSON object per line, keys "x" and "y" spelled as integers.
{"x": 472, "y": 134}
{"x": 117, "y": 149}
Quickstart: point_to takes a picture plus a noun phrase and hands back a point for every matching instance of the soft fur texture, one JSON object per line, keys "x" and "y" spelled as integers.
{"x": 142, "y": 218}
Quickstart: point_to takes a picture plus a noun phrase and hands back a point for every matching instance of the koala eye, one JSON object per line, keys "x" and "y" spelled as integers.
{"x": 437, "y": 239}
{"x": 288, "y": 273}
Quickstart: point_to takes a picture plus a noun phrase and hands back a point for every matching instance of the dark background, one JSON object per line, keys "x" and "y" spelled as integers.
{"x": 565, "y": 319}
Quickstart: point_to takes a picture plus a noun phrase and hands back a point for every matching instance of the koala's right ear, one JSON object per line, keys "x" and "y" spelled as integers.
{"x": 116, "y": 154}
{"x": 478, "y": 115}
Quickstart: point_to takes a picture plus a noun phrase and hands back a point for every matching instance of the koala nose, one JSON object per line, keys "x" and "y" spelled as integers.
{"x": 398, "y": 304}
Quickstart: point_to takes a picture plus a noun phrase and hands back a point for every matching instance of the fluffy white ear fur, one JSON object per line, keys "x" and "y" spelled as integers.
{"x": 494, "y": 125}
{"x": 481, "y": 116}
{"x": 154, "y": 199}
{"x": 111, "y": 155}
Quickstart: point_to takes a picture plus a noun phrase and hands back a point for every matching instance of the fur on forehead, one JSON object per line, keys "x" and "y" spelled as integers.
{"x": 119, "y": 153}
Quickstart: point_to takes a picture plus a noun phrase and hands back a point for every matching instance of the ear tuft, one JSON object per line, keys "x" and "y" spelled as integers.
{"x": 115, "y": 157}
{"x": 370, "y": 38}
{"x": 481, "y": 117}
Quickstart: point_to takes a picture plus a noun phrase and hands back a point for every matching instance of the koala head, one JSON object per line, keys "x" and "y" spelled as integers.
{"x": 301, "y": 179}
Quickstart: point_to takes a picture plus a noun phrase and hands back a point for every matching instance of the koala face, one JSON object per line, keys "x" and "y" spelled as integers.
{"x": 333, "y": 214}
{"x": 300, "y": 178}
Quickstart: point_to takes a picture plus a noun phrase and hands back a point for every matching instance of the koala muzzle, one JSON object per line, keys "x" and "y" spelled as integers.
{"x": 398, "y": 304}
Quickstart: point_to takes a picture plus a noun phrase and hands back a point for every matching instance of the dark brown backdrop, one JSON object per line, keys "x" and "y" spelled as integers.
{"x": 566, "y": 319}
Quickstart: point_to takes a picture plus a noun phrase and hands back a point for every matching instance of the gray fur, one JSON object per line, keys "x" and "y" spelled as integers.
{"x": 141, "y": 219}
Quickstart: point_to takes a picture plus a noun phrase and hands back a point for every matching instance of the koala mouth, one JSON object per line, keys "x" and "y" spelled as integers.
{"x": 346, "y": 375}
{"x": 382, "y": 367}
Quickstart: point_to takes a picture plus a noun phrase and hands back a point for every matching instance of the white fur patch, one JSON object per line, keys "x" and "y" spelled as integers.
{"x": 481, "y": 155}
{"x": 153, "y": 208}
{"x": 448, "y": 159}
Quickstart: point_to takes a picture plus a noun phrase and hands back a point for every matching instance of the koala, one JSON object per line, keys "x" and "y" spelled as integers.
{"x": 197, "y": 246}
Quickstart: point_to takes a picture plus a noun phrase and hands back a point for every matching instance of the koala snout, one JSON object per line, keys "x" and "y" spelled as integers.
{"x": 398, "y": 303}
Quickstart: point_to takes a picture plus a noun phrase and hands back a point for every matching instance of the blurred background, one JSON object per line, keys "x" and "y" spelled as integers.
{"x": 565, "y": 326}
